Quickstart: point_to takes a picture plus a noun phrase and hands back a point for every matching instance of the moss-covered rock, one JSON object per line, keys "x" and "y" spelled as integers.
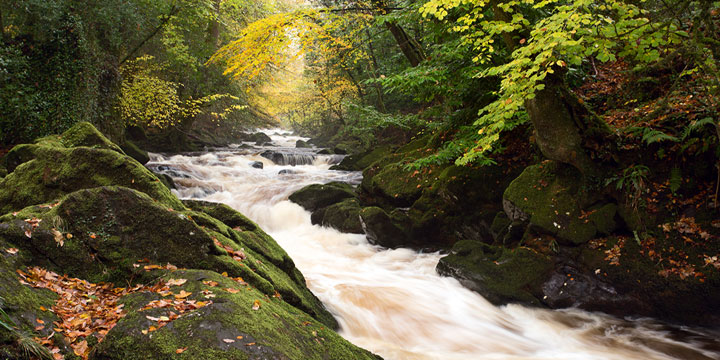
{"x": 499, "y": 274}
{"x": 49, "y": 173}
{"x": 302, "y": 144}
{"x": 135, "y": 152}
{"x": 317, "y": 196}
{"x": 113, "y": 228}
{"x": 228, "y": 328}
{"x": 381, "y": 228}
{"x": 343, "y": 216}
{"x": 552, "y": 198}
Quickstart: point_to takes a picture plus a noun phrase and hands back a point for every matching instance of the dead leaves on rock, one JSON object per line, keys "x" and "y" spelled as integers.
{"x": 87, "y": 309}
{"x": 237, "y": 255}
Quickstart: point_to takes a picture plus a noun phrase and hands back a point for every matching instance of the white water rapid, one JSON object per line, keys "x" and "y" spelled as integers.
{"x": 392, "y": 302}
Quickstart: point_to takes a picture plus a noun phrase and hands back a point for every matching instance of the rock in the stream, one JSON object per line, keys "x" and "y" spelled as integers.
{"x": 381, "y": 229}
{"x": 257, "y": 164}
{"x": 343, "y": 216}
{"x": 91, "y": 212}
{"x": 499, "y": 274}
{"x": 317, "y": 196}
{"x": 302, "y": 144}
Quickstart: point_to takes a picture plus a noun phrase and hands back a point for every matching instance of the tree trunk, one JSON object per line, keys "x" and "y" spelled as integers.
{"x": 214, "y": 28}
{"x": 556, "y": 115}
{"x": 409, "y": 46}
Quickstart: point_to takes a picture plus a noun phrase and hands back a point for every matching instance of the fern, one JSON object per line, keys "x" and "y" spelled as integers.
{"x": 695, "y": 125}
{"x": 652, "y": 136}
{"x": 675, "y": 179}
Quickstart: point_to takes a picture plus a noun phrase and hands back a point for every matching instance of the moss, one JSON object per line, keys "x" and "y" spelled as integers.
{"x": 343, "y": 216}
{"x": 317, "y": 196}
{"x": 553, "y": 198}
{"x": 395, "y": 184}
{"x": 54, "y": 172}
{"x": 84, "y": 134}
{"x": 24, "y": 304}
{"x": 499, "y": 274}
{"x": 381, "y": 229}
{"x": 275, "y": 330}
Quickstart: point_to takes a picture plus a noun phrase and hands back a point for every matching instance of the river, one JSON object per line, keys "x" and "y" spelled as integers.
{"x": 392, "y": 302}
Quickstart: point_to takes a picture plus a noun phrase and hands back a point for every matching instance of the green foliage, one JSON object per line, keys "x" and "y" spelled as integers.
{"x": 633, "y": 182}
{"x": 29, "y": 348}
{"x": 675, "y": 179}
{"x": 547, "y": 37}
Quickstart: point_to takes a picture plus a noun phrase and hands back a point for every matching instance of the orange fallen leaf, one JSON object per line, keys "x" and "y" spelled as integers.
{"x": 12, "y": 251}
{"x": 232, "y": 291}
{"x": 176, "y": 282}
{"x": 229, "y": 341}
{"x": 93, "y": 236}
{"x": 180, "y": 350}
{"x": 183, "y": 294}
{"x": 256, "y": 305}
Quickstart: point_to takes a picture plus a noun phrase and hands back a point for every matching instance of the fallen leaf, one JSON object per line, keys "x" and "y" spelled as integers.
{"x": 232, "y": 291}
{"x": 256, "y": 305}
{"x": 180, "y": 350}
{"x": 59, "y": 239}
{"x": 183, "y": 294}
{"x": 229, "y": 341}
{"x": 176, "y": 282}
{"x": 12, "y": 251}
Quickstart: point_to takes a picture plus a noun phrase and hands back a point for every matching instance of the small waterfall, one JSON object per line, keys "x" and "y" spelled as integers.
{"x": 288, "y": 158}
{"x": 392, "y": 302}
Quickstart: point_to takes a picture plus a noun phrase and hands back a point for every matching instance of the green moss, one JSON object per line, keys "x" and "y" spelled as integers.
{"x": 553, "y": 198}
{"x": 317, "y": 196}
{"x": 54, "y": 172}
{"x": 343, "y": 216}
{"x": 84, "y": 134}
{"x": 499, "y": 274}
{"x": 275, "y": 330}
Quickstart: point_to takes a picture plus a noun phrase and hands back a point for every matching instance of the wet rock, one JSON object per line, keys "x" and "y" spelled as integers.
{"x": 317, "y": 196}
{"x": 325, "y": 152}
{"x": 302, "y": 144}
{"x": 343, "y": 216}
{"x": 381, "y": 229}
{"x": 257, "y": 164}
{"x": 288, "y": 172}
{"x": 258, "y": 138}
{"x": 499, "y": 274}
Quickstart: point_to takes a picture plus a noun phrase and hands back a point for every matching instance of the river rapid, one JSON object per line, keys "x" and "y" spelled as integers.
{"x": 392, "y": 302}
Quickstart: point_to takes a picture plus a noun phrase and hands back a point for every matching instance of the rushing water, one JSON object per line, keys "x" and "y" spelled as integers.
{"x": 392, "y": 302}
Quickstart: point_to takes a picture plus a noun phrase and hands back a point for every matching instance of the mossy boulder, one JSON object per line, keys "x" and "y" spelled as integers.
{"x": 317, "y": 196}
{"x": 552, "y": 197}
{"x": 499, "y": 274}
{"x": 302, "y": 144}
{"x": 228, "y": 328}
{"x": 395, "y": 184}
{"x": 343, "y": 216}
{"x": 381, "y": 228}
{"x": 114, "y": 228}
{"x": 135, "y": 152}
{"x": 48, "y": 173}
{"x": 258, "y": 138}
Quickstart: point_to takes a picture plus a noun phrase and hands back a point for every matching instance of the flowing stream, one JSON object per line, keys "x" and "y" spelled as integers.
{"x": 392, "y": 302}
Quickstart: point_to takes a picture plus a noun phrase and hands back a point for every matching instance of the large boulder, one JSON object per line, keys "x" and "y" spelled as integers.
{"x": 317, "y": 196}
{"x": 343, "y": 216}
{"x": 552, "y": 198}
{"x": 81, "y": 158}
{"x": 381, "y": 228}
{"x": 499, "y": 274}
